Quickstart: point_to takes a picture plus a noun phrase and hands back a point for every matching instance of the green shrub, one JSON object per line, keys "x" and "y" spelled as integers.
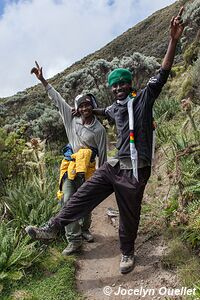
{"x": 195, "y": 78}
{"x": 16, "y": 253}
{"x": 186, "y": 89}
{"x": 166, "y": 108}
{"x": 191, "y": 53}
{"x": 30, "y": 199}
{"x": 170, "y": 208}
{"x": 11, "y": 159}
{"x": 192, "y": 232}
{"x": 191, "y": 17}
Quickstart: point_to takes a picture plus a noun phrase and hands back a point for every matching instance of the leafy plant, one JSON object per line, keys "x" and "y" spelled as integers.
{"x": 166, "y": 108}
{"x": 27, "y": 203}
{"x": 192, "y": 231}
{"x": 170, "y": 208}
{"x": 11, "y": 160}
{"x": 31, "y": 199}
{"x": 192, "y": 19}
{"x": 35, "y": 160}
{"x": 196, "y": 81}
{"x": 190, "y": 87}
{"x": 16, "y": 253}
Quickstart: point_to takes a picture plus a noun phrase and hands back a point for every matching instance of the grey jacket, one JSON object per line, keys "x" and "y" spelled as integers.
{"x": 79, "y": 135}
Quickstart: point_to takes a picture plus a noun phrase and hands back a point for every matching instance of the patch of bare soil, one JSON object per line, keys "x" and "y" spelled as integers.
{"x": 98, "y": 275}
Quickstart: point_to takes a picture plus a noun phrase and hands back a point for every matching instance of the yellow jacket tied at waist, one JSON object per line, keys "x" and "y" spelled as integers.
{"x": 80, "y": 164}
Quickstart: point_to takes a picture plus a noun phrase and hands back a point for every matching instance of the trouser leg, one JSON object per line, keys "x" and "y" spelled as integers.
{"x": 73, "y": 231}
{"x": 129, "y": 194}
{"x": 87, "y": 197}
{"x": 85, "y": 222}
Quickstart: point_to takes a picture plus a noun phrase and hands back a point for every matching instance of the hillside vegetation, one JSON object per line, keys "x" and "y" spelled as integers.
{"x": 149, "y": 38}
{"x": 32, "y": 135}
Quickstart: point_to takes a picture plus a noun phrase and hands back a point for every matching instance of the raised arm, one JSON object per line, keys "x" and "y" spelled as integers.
{"x": 63, "y": 107}
{"x": 38, "y": 73}
{"x": 176, "y": 29}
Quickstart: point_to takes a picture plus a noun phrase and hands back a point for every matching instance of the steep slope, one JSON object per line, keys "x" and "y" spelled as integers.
{"x": 31, "y": 112}
{"x": 148, "y": 37}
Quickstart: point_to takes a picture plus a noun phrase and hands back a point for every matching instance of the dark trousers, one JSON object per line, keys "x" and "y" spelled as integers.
{"x": 104, "y": 182}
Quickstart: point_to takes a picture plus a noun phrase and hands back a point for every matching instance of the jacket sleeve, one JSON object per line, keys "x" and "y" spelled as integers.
{"x": 101, "y": 141}
{"x": 156, "y": 83}
{"x": 109, "y": 113}
{"x": 64, "y": 109}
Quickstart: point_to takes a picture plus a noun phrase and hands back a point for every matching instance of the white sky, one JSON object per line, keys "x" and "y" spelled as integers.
{"x": 57, "y": 33}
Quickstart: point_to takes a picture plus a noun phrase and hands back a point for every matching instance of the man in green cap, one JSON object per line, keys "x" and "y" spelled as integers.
{"x": 128, "y": 173}
{"x": 119, "y": 75}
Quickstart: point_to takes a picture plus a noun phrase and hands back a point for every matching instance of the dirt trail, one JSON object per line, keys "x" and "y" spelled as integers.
{"x": 98, "y": 265}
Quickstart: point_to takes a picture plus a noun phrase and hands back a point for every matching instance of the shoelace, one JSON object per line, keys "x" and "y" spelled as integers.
{"x": 125, "y": 258}
{"x": 45, "y": 228}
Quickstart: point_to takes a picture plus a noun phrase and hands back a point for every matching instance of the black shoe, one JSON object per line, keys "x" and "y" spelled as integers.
{"x": 47, "y": 232}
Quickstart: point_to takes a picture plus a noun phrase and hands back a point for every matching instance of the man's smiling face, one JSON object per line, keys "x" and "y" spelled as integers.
{"x": 121, "y": 90}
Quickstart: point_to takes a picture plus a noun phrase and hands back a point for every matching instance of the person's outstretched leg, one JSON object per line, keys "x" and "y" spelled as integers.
{"x": 87, "y": 197}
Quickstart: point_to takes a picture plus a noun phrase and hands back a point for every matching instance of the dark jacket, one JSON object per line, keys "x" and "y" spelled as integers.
{"x": 143, "y": 119}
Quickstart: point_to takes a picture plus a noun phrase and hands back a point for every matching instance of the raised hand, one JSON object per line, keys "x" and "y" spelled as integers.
{"x": 176, "y": 30}
{"x": 37, "y": 71}
{"x": 177, "y": 26}
{"x": 75, "y": 113}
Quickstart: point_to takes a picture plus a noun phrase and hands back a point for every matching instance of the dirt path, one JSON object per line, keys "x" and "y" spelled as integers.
{"x": 98, "y": 265}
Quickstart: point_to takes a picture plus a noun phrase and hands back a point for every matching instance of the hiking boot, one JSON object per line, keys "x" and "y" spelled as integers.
{"x": 72, "y": 248}
{"x": 126, "y": 263}
{"x": 88, "y": 236}
{"x": 47, "y": 232}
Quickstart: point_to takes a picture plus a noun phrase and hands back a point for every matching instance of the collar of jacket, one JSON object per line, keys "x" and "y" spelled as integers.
{"x": 122, "y": 102}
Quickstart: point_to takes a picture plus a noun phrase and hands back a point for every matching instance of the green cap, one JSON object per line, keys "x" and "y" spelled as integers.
{"x": 118, "y": 75}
